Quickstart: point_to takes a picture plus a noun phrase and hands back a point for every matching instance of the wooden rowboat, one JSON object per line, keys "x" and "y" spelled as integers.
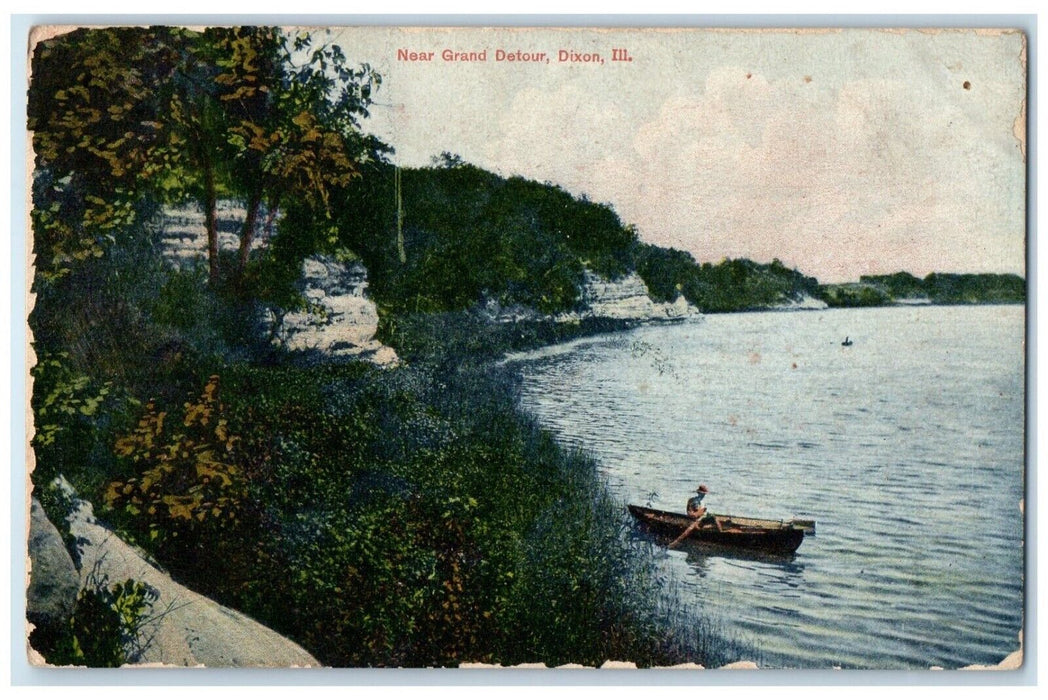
{"x": 773, "y": 536}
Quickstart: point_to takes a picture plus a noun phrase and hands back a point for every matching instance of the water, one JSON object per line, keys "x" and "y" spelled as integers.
{"x": 906, "y": 447}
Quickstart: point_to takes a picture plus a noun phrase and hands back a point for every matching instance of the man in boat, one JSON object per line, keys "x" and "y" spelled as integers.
{"x": 697, "y": 512}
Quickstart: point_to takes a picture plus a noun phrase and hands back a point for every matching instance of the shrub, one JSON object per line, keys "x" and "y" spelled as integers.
{"x": 75, "y": 419}
{"x": 108, "y": 625}
{"x": 183, "y": 493}
{"x": 185, "y": 474}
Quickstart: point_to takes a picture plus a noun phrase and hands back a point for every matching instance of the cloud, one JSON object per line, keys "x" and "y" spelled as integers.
{"x": 840, "y": 153}
{"x": 862, "y": 178}
{"x": 559, "y": 134}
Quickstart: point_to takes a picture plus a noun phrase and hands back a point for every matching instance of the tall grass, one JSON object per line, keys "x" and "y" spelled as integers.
{"x": 415, "y": 518}
{"x": 411, "y": 517}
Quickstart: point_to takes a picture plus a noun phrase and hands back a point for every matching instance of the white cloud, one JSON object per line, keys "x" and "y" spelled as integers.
{"x": 841, "y": 153}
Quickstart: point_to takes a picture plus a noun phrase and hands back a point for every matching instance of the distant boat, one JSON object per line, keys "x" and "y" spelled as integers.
{"x": 847, "y": 342}
{"x": 773, "y": 536}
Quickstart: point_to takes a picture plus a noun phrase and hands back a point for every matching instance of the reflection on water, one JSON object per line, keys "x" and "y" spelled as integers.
{"x": 906, "y": 448}
{"x": 782, "y": 569}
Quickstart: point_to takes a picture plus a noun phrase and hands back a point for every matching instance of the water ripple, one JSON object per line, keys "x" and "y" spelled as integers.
{"x": 908, "y": 456}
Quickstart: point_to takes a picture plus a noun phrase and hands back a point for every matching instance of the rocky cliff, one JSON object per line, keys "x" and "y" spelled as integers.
{"x": 182, "y": 628}
{"x": 623, "y": 299}
{"x": 340, "y": 321}
{"x": 627, "y": 299}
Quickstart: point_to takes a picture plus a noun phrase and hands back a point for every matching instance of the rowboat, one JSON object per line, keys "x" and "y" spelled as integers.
{"x": 773, "y": 536}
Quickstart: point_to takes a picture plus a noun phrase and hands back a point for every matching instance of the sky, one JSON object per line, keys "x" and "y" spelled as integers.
{"x": 839, "y": 152}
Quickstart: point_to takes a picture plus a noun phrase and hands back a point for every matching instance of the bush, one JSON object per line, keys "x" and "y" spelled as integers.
{"x": 388, "y": 518}
{"x": 107, "y": 628}
{"x": 75, "y": 419}
{"x": 185, "y": 471}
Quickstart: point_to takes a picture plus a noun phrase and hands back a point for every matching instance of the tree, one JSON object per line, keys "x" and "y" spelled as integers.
{"x": 196, "y": 128}
{"x": 293, "y": 130}
{"x": 96, "y": 119}
{"x": 249, "y": 112}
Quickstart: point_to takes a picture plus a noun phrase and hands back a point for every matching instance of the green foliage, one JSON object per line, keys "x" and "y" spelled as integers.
{"x": 121, "y": 113}
{"x": 945, "y": 288}
{"x": 185, "y": 474}
{"x": 740, "y": 285}
{"x": 937, "y": 288}
{"x": 405, "y": 517}
{"x": 471, "y": 235}
{"x": 853, "y": 295}
{"x": 455, "y": 340}
{"x": 192, "y": 318}
{"x": 108, "y": 625}
{"x": 731, "y": 285}
{"x": 74, "y": 416}
{"x": 250, "y": 118}
{"x": 95, "y": 116}
{"x": 901, "y": 285}
{"x": 64, "y": 395}
{"x": 667, "y": 272}
{"x": 111, "y": 334}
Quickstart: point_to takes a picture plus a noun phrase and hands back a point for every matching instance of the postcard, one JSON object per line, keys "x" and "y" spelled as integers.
{"x": 578, "y": 347}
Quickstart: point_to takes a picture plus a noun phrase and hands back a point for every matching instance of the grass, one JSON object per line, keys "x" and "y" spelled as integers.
{"x": 401, "y": 518}
{"x": 409, "y": 517}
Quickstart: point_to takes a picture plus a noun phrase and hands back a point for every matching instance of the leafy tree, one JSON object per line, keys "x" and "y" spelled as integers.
{"x": 196, "y": 128}
{"x": 294, "y": 128}
{"x": 96, "y": 119}
{"x": 249, "y": 112}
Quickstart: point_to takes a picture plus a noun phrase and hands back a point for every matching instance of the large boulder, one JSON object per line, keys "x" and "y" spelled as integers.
{"x": 183, "y": 628}
{"x": 53, "y": 579}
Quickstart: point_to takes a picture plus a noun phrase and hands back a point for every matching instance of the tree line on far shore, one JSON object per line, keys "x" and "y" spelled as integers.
{"x": 935, "y": 288}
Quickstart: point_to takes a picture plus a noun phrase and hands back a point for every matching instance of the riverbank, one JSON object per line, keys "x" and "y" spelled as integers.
{"x": 463, "y": 354}
{"x": 410, "y": 516}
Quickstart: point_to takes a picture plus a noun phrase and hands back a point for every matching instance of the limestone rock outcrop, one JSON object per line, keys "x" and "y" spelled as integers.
{"x": 340, "y": 322}
{"x": 184, "y": 235}
{"x": 626, "y": 299}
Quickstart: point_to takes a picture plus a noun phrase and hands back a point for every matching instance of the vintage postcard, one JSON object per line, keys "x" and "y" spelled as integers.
{"x": 413, "y": 347}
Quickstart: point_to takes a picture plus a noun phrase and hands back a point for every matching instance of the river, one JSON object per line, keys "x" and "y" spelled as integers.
{"x": 906, "y": 447}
